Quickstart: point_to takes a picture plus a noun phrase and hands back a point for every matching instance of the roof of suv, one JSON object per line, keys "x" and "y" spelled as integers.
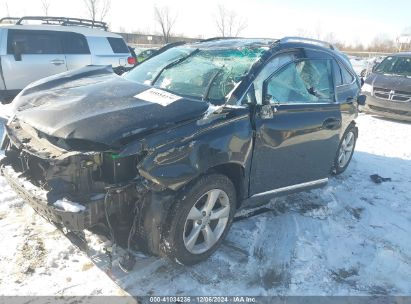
{"x": 222, "y": 43}
{"x": 86, "y": 31}
{"x": 288, "y": 42}
{"x": 284, "y": 43}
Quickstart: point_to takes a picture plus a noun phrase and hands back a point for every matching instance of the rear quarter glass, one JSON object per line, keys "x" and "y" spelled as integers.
{"x": 118, "y": 46}
{"x": 99, "y": 45}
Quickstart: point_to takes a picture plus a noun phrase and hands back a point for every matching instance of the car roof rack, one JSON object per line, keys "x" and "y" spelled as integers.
{"x": 308, "y": 40}
{"x": 9, "y": 20}
{"x": 65, "y": 21}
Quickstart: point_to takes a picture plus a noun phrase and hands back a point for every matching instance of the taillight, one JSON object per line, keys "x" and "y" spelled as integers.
{"x": 131, "y": 60}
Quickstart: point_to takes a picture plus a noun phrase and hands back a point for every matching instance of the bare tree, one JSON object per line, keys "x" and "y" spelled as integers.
{"x": 330, "y": 38}
{"x": 7, "y": 9}
{"x": 97, "y": 9}
{"x": 165, "y": 20}
{"x": 382, "y": 43}
{"x": 221, "y": 20}
{"x": 45, "y": 5}
{"x": 318, "y": 31}
{"x": 229, "y": 24}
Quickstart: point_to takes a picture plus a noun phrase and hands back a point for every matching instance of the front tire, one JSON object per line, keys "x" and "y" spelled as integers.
{"x": 200, "y": 220}
{"x": 345, "y": 150}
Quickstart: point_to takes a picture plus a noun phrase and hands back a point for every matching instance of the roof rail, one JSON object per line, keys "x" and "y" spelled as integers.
{"x": 217, "y": 38}
{"x": 167, "y": 46}
{"x": 64, "y": 21}
{"x": 308, "y": 40}
{"x": 11, "y": 20}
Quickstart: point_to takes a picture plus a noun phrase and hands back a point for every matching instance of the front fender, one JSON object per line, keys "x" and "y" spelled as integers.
{"x": 227, "y": 139}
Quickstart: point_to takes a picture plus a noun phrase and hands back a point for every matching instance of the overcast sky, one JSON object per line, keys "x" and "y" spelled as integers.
{"x": 351, "y": 21}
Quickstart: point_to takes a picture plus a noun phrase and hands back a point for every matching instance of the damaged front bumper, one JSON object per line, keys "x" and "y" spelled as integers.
{"x": 87, "y": 214}
{"x": 78, "y": 190}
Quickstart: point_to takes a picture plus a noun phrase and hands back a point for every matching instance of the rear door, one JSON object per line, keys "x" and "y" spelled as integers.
{"x": 41, "y": 56}
{"x": 298, "y": 134}
{"x": 76, "y": 50}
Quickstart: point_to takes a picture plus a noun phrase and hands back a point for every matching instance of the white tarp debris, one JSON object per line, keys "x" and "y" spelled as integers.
{"x": 69, "y": 206}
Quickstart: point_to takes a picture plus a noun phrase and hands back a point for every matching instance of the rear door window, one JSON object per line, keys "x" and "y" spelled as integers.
{"x": 342, "y": 75}
{"x": 347, "y": 77}
{"x": 75, "y": 43}
{"x": 118, "y": 45}
{"x": 337, "y": 73}
{"x": 34, "y": 42}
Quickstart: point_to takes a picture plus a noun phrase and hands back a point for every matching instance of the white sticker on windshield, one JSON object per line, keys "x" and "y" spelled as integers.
{"x": 158, "y": 96}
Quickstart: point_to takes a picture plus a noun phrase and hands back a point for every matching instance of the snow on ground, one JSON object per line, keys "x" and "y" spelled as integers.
{"x": 350, "y": 238}
{"x": 361, "y": 64}
{"x": 36, "y": 259}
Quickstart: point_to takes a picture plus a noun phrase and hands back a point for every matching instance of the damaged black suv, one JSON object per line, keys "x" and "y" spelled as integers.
{"x": 165, "y": 154}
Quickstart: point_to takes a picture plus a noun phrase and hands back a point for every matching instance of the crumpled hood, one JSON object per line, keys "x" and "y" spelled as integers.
{"x": 96, "y": 105}
{"x": 396, "y": 83}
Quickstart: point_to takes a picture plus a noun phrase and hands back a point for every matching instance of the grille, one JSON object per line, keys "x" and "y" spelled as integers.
{"x": 387, "y": 94}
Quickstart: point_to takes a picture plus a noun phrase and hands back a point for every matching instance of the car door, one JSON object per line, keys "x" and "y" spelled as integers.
{"x": 32, "y": 55}
{"x": 297, "y": 128}
{"x": 76, "y": 50}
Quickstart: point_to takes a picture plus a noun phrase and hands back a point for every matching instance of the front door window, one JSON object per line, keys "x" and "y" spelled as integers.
{"x": 304, "y": 81}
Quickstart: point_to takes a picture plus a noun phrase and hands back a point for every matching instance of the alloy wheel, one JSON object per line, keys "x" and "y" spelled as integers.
{"x": 346, "y": 149}
{"x": 206, "y": 221}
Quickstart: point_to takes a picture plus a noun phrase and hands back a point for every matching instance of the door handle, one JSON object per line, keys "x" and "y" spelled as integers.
{"x": 57, "y": 62}
{"x": 331, "y": 124}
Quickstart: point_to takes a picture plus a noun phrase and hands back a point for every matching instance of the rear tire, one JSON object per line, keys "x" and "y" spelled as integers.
{"x": 200, "y": 220}
{"x": 345, "y": 150}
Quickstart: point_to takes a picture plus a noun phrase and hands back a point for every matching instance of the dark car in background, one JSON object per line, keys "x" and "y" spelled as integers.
{"x": 167, "y": 153}
{"x": 143, "y": 55}
{"x": 388, "y": 88}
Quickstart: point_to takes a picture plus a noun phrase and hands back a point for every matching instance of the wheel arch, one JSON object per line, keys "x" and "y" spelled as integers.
{"x": 236, "y": 173}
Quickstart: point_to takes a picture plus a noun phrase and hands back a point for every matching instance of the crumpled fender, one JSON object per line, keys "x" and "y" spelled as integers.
{"x": 195, "y": 148}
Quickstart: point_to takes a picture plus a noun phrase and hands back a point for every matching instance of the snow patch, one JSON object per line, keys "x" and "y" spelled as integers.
{"x": 69, "y": 206}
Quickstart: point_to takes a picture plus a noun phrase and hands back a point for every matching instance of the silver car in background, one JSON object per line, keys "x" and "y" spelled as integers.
{"x": 29, "y": 52}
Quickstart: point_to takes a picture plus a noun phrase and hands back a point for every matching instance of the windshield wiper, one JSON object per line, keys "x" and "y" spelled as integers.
{"x": 210, "y": 83}
{"x": 171, "y": 64}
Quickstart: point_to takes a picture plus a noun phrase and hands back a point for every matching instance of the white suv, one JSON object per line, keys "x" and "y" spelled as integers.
{"x": 29, "y": 52}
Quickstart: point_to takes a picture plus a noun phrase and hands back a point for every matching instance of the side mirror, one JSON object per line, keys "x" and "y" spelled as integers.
{"x": 17, "y": 50}
{"x": 361, "y": 100}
